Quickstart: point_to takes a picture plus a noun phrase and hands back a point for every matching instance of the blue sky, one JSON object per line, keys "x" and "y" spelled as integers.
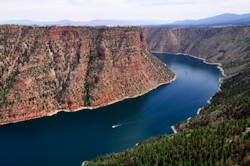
{"x": 85, "y": 10}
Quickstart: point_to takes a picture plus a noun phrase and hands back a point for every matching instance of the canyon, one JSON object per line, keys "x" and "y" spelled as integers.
{"x": 219, "y": 133}
{"x": 226, "y": 45}
{"x": 44, "y": 70}
{"x": 69, "y": 138}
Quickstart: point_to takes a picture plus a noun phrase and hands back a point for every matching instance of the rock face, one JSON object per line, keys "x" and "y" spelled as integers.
{"x": 227, "y": 45}
{"x": 47, "y": 69}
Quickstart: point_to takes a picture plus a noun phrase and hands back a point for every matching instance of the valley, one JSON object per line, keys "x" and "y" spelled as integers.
{"x": 69, "y": 138}
{"x": 45, "y": 70}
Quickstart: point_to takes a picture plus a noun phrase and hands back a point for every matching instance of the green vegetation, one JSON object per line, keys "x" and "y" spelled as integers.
{"x": 232, "y": 102}
{"x": 85, "y": 97}
{"x": 5, "y": 89}
{"x": 95, "y": 66}
{"x": 227, "y": 144}
{"x": 219, "y": 135}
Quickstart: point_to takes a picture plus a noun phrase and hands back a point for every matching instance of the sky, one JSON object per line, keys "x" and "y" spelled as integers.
{"x": 86, "y": 10}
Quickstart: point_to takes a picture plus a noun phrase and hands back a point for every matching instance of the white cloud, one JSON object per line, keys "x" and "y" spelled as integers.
{"x": 84, "y": 10}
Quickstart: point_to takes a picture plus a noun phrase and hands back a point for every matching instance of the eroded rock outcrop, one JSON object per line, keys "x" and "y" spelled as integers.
{"x": 47, "y": 69}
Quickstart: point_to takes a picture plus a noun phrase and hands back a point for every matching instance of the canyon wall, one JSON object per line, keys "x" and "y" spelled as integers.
{"x": 48, "y": 69}
{"x": 229, "y": 46}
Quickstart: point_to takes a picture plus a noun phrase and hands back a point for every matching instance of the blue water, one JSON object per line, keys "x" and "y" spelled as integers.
{"x": 70, "y": 138}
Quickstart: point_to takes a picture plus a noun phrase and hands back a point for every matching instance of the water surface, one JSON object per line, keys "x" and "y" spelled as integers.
{"x": 70, "y": 138}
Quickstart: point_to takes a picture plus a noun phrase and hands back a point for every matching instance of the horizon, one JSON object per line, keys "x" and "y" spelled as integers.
{"x": 83, "y": 21}
{"x": 122, "y": 10}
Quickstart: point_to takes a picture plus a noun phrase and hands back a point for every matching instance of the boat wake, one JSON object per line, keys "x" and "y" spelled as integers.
{"x": 123, "y": 124}
{"x": 115, "y": 126}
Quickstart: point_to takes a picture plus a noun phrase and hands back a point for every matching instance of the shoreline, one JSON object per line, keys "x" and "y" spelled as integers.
{"x": 223, "y": 75}
{"x": 219, "y": 65}
{"x": 41, "y": 115}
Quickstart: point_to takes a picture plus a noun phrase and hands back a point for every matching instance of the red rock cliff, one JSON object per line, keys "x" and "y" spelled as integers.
{"x": 45, "y": 69}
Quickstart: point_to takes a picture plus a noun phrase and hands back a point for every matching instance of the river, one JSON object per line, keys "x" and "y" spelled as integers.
{"x": 70, "y": 138}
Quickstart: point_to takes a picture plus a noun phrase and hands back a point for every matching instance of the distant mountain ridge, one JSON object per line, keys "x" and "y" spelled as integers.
{"x": 227, "y": 18}
{"x": 86, "y": 23}
{"x": 223, "y": 19}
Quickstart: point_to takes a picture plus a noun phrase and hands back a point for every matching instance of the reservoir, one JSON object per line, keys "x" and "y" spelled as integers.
{"x": 70, "y": 138}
